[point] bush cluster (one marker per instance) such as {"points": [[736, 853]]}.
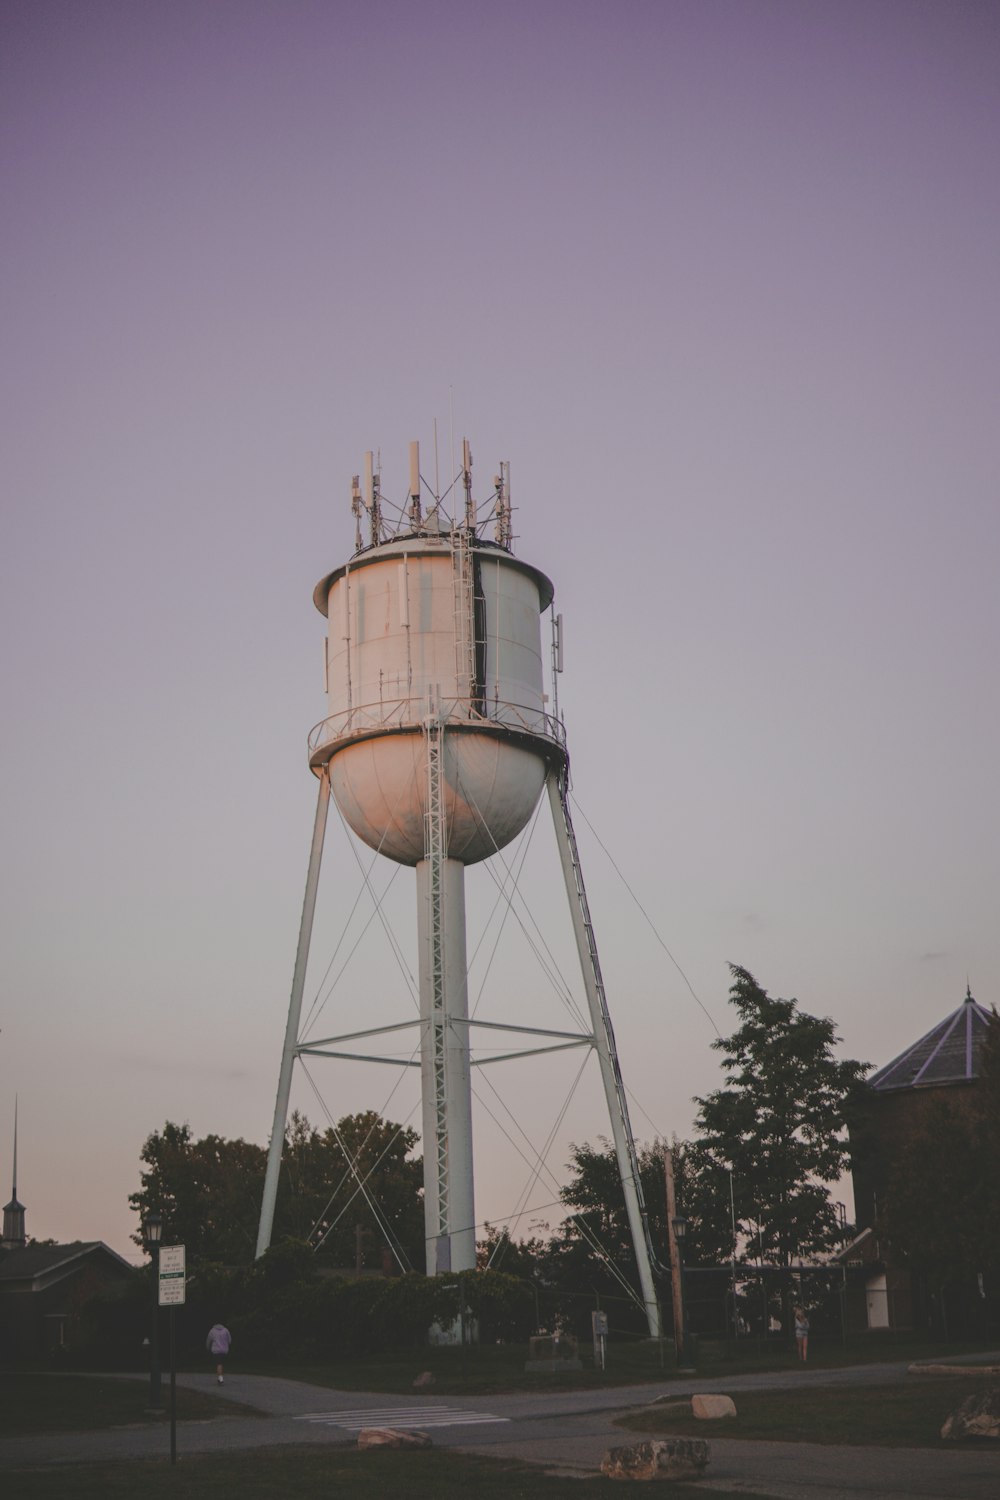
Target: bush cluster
{"points": [[286, 1305]]}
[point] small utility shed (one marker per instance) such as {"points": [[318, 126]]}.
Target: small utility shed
{"points": [[43, 1289]]}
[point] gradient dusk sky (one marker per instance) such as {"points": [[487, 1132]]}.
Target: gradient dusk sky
{"points": [[720, 281]]}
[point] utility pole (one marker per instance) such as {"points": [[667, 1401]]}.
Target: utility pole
{"points": [[676, 1286]]}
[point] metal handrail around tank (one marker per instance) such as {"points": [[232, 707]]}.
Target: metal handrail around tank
{"points": [[402, 713]]}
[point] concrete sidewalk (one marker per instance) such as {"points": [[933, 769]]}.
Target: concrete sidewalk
{"points": [[566, 1433]]}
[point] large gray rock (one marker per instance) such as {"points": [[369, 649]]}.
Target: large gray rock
{"points": [[661, 1458], [711, 1408], [977, 1417], [392, 1437]]}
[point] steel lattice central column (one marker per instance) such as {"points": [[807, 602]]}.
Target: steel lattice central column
{"points": [[449, 1217]]}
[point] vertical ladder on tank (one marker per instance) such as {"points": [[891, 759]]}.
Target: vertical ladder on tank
{"points": [[465, 632], [435, 852]]}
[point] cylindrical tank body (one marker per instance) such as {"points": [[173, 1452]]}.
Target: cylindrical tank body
{"points": [[448, 627]]}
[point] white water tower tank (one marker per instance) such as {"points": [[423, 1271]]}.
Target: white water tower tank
{"points": [[444, 626]]}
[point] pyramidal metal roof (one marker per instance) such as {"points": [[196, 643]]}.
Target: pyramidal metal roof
{"points": [[947, 1054]]}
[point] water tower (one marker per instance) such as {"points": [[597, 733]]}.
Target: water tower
{"points": [[438, 744]]}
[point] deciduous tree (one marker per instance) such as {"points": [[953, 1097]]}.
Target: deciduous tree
{"points": [[779, 1123], [355, 1180]]}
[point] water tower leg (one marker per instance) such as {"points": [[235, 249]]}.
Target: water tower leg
{"points": [[604, 1042], [294, 1012]]}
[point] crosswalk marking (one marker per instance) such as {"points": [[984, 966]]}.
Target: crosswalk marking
{"points": [[400, 1416]]}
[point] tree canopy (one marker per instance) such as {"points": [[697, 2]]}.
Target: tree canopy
{"points": [[779, 1123], [351, 1188], [208, 1192], [702, 1193]]}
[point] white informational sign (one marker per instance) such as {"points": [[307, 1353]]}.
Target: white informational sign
{"points": [[173, 1276]]}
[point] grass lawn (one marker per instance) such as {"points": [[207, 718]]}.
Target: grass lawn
{"points": [[37, 1402], [316, 1474], [907, 1415]]}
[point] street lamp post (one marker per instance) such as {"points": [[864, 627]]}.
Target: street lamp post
{"points": [[152, 1233], [679, 1225]]}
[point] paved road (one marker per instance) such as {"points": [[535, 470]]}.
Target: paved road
{"points": [[568, 1432]]}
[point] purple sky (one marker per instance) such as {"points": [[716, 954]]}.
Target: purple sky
{"points": [[720, 280]]}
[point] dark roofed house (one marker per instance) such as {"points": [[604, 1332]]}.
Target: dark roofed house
{"points": [[43, 1289], [901, 1097]]}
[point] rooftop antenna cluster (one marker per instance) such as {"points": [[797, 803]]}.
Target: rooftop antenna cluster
{"points": [[378, 520]]}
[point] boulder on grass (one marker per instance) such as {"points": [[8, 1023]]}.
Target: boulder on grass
{"points": [[661, 1458], [711, 1408], [392, 1437], [977, 1417]]}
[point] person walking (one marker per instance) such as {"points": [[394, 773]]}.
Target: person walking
{"points": [[218, 1344], [801, 1333]]}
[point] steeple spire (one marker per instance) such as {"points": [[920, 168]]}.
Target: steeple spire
{"points": [[14, 1237]]}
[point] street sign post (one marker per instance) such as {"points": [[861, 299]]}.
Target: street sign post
{"points": [[172, 1293], [173, 1277]]}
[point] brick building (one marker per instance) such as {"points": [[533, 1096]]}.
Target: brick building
{"points": [[943, 1065]]}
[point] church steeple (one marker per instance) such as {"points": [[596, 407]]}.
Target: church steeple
{"points": [[14, 1237]]}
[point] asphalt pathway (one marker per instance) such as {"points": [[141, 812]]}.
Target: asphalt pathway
{"points": [[566, 1432]]}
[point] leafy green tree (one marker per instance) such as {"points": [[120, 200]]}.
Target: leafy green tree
{"points": [[779, 1124], [351, 1185], [593, 1248], [207, 1191], [499, 1251]]}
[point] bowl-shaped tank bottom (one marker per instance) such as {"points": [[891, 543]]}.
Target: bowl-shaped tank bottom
{"points": [[492, 786]]}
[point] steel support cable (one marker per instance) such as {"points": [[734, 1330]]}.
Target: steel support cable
{"points": [[318, 1005], [539, 1157], [657, 1131], [366, 876], [333, 958], [540, 1164], [394, 944], [515, 1147], [590, 1235], [541, 953], [391, 1238], [645, 914], [502, 901], [512, 876], [381, 1112], [605, 1257], [552, 973]]}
